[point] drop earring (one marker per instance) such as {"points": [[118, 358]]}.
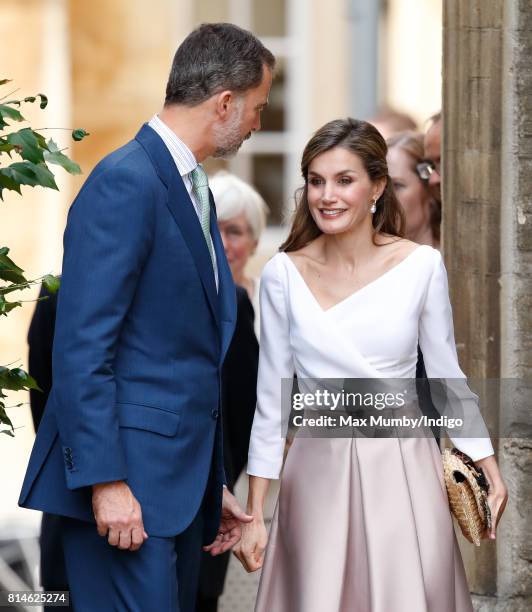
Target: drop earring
{"points": [[373, 206]]}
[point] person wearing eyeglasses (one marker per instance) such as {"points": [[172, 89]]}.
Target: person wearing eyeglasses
{"points": [[405, 155], [429, 169]]}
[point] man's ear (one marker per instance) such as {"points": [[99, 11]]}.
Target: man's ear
{"points": [[223, 102]]}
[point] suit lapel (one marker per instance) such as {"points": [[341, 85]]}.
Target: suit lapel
{"points": [[226, 286], [183, 212]]}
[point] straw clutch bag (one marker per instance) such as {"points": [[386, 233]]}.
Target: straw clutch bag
{"points": [[467, 489]]}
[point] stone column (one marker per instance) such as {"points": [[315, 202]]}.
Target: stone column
{"points": [[487, 163], [514, 582]]}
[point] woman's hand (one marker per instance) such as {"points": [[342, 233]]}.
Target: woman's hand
{"points": [[232, 519], [250, 549], [498, 493]]}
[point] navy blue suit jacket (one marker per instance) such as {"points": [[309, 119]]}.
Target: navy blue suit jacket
{"points": [[141, 335]]}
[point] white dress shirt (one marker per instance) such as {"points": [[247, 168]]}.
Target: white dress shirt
{"points": [[185, 162]]}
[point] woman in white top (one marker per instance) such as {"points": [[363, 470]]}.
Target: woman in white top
{"points": [[241, 213], [361, 524]]}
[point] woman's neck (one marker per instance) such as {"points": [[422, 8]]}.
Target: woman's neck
{"points": [[351, 248]]}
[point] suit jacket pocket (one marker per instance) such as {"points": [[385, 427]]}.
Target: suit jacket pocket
{"points": [[149, 418]]}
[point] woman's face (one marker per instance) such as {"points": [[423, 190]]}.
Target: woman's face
{"points": [[340, 192], [238, 241], [411, 192]]}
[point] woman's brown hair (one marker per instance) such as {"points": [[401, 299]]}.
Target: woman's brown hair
{"points": [[365, 141]]}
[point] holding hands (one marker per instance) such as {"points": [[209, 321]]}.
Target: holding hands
{"points": [[119, 517], [232, 523], [250, 550]]}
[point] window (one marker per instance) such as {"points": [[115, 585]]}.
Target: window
{"points": [[270, 159]]}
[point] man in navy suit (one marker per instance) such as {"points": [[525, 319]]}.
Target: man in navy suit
{"points": [[129, 450]]}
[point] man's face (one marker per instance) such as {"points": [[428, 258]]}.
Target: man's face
{"points": [[245, 117], [432, 145]]}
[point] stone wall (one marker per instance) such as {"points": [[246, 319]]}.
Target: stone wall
{"points": [[487, 164]]}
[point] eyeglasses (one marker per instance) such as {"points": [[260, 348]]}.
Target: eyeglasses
{"points": [[426, 168]]}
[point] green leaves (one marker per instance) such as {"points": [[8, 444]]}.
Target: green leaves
{"points": [[79, 134], [13, 380], [29, 145], [36, 153], [6, 147], [30, 154], [6, 307], [51, 283], [17, 380], [6, 182], [54, 156], [6, 112], [43, 100], [5, 420], [9, 271], [28, 173]]}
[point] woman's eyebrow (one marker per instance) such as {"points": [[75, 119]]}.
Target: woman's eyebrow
{"points": [[348, 171]]}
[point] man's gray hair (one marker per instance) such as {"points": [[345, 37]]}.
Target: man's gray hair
{"points": [[213, 58]]}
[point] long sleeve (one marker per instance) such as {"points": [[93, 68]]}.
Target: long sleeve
{"points": [[437, 343], [107, 241], [275, 364]]}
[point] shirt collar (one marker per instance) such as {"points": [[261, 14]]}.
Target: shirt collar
{"points": [[183, 157]]}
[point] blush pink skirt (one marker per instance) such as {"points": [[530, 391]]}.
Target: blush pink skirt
{"points": [[363, 525]]}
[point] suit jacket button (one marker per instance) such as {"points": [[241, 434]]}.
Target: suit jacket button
{"points": [[214, 413]]}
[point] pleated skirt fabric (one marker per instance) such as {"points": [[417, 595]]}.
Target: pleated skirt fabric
{"points": [[363, 525]]}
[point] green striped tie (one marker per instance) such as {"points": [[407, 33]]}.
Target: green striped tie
{"points": [[200, 184]]}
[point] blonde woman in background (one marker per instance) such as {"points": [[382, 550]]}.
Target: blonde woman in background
{"points": [[405, 153], [241, 215]]}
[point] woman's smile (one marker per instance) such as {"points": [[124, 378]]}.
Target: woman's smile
{"points": [[331, 212]]}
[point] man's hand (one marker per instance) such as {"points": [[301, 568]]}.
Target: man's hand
{"points": [[118, 515], [230, 528]]}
